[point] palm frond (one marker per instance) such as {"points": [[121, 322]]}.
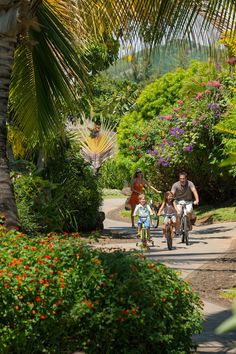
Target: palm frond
{"points": [[155, 21], [95, 145], [45, 77]]}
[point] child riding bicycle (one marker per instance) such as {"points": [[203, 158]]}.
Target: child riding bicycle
{"points": [[169, 210], [144, 213]]}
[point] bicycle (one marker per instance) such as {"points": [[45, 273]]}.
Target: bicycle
{"points": [[143, 234], [169, 231], [154, 217], [184, 229]]}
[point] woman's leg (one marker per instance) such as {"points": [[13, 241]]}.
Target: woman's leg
{"points": [[132, 217]]}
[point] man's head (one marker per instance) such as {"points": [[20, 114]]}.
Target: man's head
{"points": [[183, 178]]}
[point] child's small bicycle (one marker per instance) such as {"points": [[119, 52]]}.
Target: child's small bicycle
{"points": [[143, 235], [169, 231]]}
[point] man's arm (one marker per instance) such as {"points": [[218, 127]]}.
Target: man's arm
{"points": [[196, 197], [173, 189]]}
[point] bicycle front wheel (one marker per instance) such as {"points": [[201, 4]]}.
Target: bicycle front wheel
{"points": [[169, 237], [182, 230], [185, 227], [143, 236], [155, 219]]}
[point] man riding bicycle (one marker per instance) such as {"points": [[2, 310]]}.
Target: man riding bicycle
{"points": [[185, 190]]}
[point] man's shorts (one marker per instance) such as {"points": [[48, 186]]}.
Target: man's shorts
{"points": [[146, 222], [189, 208], [166, 219]]}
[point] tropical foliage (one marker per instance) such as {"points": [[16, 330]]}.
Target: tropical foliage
{"points": [[63, 196], [179, 137], [97, 141], [44, 44], [57, 294]]}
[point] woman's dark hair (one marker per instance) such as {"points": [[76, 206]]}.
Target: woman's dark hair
{"points": [[137, 172]]}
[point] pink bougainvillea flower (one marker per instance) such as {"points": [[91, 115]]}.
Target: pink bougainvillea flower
{"points": [[176, 109], [214, 83], [207, 92], [231, 60], [121, 319], [168, 117], [180, 102], [199, 96]]}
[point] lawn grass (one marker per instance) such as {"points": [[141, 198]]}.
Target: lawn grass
{"points": [[229, 294], [112, 193], [222, 214]]}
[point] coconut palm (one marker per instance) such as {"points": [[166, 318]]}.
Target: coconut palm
{"points": [[40, 68]]}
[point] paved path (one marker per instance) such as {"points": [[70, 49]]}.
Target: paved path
{"points": [[206, 243]]}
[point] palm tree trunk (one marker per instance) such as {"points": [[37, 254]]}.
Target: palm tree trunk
{"points": [[8, 38]]}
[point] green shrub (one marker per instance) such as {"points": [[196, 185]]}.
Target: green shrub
{"points": [[178, 140], [37, 204], [67, 198], [58, 295], [143, 307], [115, 173], [78, 188]]}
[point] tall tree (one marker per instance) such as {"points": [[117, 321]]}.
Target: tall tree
{"points": [[38, 57]]}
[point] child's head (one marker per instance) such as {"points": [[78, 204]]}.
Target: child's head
{"points": [[169, 197], [142, 199]]}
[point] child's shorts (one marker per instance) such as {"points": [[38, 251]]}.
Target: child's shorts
{"points": [[146, 222], [166, 218]]}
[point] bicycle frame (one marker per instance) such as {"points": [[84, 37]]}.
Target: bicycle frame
{"points": [[184, 220], [143, 234]]}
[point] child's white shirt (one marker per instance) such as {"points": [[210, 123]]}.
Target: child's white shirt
{"points": [[139, 209]]}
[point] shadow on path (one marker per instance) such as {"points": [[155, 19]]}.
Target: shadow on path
{"points": [[209, 341]]}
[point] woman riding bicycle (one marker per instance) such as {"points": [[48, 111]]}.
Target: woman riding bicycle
{"points": [[169, 210]]}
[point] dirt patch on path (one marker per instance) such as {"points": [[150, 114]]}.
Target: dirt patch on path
{"points": [[211, 279]]}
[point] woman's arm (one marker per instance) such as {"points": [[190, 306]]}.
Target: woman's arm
{"points": [[151, 187]]}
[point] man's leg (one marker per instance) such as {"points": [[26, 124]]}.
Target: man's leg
{"points": [[179, 211], [189, 209]]}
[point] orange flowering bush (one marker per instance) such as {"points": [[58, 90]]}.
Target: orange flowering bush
{"points": [[59, 295], [39, 280]]}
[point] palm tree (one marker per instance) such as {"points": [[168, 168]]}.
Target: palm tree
{"points": [[39, 67]]}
